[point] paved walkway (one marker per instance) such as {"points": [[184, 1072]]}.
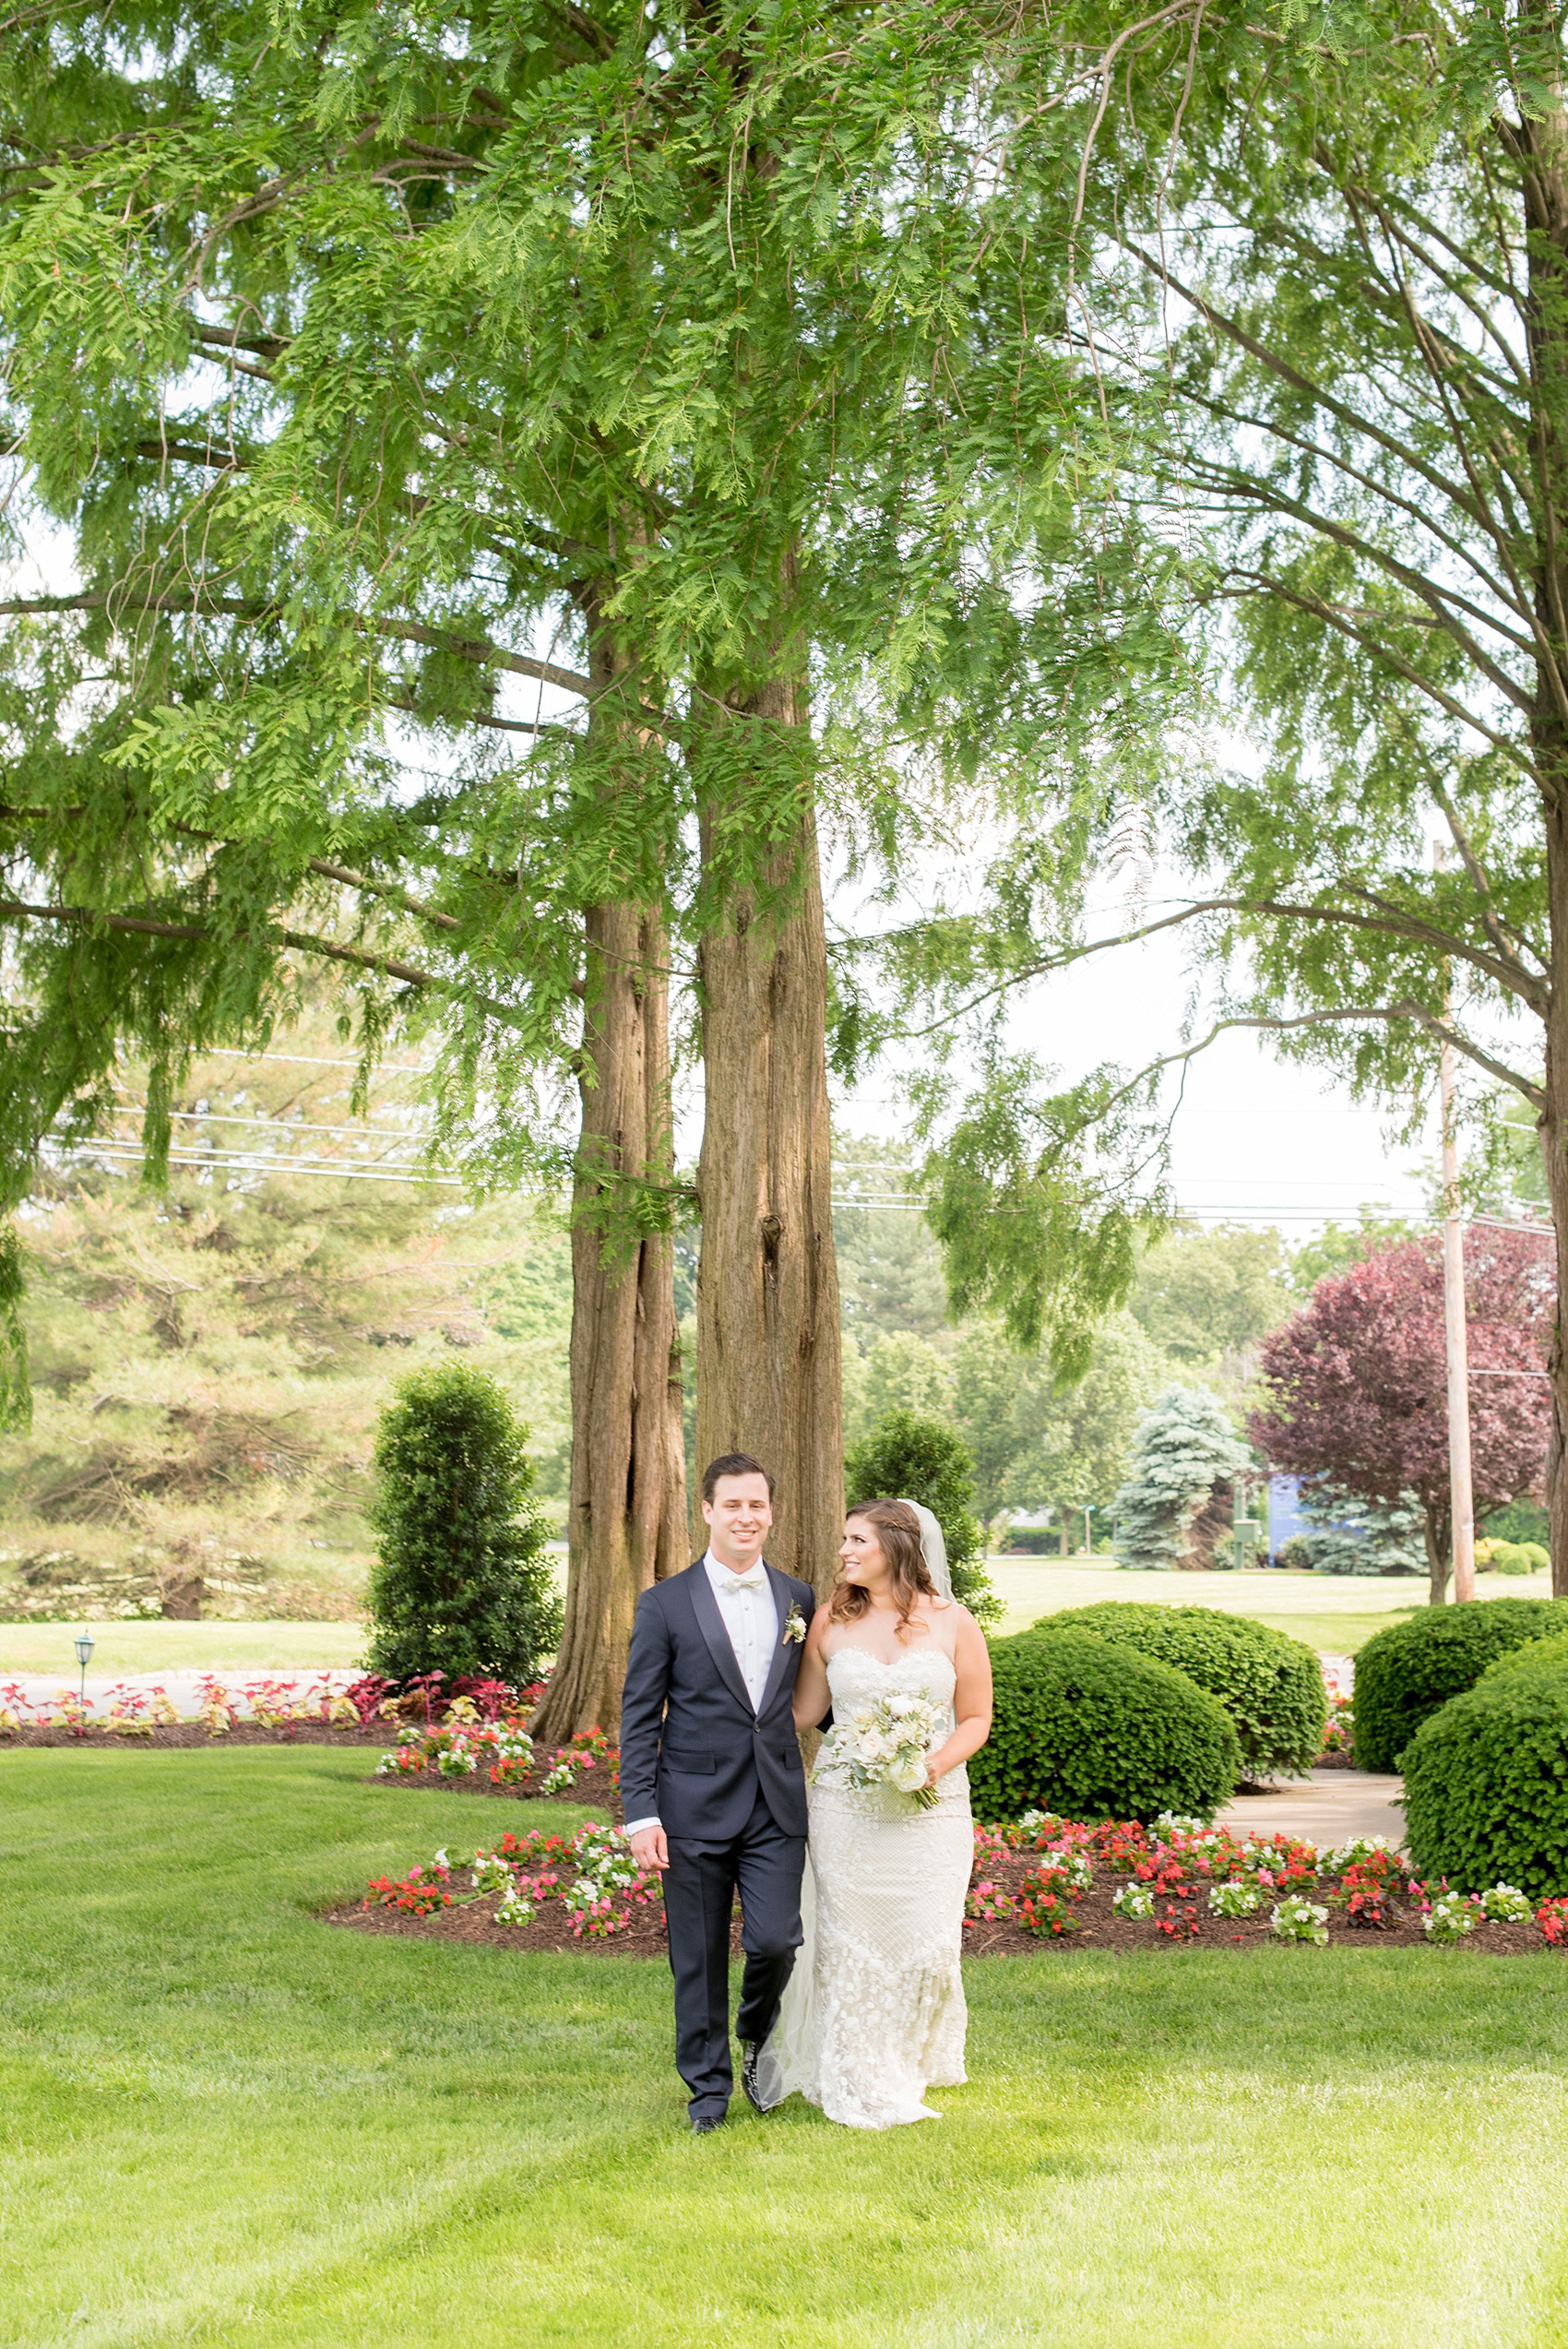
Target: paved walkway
{"points": [[1326, 1808]]}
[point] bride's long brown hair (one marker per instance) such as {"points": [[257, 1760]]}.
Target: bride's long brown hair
{"points": [[898, 1538]]}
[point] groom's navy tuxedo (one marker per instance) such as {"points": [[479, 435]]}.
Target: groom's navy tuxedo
{"points": [[728, 1786]]}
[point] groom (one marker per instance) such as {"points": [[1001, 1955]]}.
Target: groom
{"points": [[711, 1779]]}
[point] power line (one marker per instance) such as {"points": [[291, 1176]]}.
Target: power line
{"points": [[346, 1170]]}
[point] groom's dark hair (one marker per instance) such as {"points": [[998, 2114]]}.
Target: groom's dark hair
{"points": [[733, 1464]]}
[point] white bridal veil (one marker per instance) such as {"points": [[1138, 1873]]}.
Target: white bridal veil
{"points": [[785, 2064], [933, 1545]]}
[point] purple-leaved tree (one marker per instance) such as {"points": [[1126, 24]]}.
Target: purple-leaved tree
{"points": [[1356, 1380]]}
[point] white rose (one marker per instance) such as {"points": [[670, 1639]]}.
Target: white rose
{"points": [[908, 1776]]}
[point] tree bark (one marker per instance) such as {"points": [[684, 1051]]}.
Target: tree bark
{"points": [[1553, 1127], [767, 1283], [1542, 143], [1439, 1549], [627, 1524]]}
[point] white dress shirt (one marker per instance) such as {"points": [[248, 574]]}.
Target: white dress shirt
{"points": [[749, 1616]]}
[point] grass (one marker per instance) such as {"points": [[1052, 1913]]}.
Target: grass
{"points": [[1335, 1613], [177, 1647], [225, 2123]]}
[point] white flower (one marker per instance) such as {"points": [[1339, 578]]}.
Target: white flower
{"points": [[1298, 1920], [1134, 1900]]}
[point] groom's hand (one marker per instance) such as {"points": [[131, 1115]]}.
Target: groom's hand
{"points": [[650, 1848]]}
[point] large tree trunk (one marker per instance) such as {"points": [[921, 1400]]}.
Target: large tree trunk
{"points": [[628, 1522], [626, 1526], [1542, 145], [1553, 1125], [767, 1286]]}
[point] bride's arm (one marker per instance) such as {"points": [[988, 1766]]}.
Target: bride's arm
{"points": [[971, 1699], [812, 1697]]}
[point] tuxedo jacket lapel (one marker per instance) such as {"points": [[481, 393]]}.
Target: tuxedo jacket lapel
{"points": [[705, 1607], [776, 1671]]}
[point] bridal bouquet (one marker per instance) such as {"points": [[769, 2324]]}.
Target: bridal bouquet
{"points": [[886, 1744]]}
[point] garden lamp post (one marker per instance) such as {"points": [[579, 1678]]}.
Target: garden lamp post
{"points": [[84, 1651]]}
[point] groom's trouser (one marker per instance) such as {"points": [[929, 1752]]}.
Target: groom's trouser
{"points": [[765, 1865]]}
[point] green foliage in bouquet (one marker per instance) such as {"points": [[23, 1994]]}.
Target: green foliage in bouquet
{"points": [[1091, 1730], [1269, 1684], [462, 1585], [1486, 1782], [1405, 1672], [907, 1458]]}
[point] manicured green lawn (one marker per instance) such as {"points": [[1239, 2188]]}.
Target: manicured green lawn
{"points": [[222, 2122], [1337, 1613], [182, 1647]]}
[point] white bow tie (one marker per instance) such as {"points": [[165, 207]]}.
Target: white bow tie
{"points": [[755, 1578]]}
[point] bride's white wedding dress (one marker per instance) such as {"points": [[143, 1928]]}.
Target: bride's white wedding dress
{"points": [[874, 2011]]}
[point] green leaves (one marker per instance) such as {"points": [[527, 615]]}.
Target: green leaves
{"points": [[1039, 1206]]}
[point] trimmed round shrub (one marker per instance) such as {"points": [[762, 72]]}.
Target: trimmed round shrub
{"points": [[1269, 1684], [1406, 1673], [1485, 1785], [1552, 1650], [1095, 1731], [462, 1585]]}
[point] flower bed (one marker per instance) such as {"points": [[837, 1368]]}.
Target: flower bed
{"points": [[1340, 1729], [498, 1757], [1042, 1883], [276, 1710], [267, 1709]]}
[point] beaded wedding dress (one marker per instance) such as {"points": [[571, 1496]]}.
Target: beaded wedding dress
{"points": [[874, 2011]]}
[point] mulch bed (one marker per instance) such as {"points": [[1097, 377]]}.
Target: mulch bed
{"points": [[1099, 1926], [644, 1937], [1102, 1928], [592, 1791], [194, 1733]]}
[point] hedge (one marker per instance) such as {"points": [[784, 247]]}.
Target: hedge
{"points": [[1403, 1675], [1092, 1730], [1485, 1785], [1269, 1684], [1552, 1650]]}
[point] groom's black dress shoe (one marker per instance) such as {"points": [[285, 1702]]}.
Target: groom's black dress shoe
{"points": [[751, 2055], [702, 2123]]}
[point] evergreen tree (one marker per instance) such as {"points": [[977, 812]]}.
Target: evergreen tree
{"points": [[1350, 1535], [1169, 1510], [910, 1458], [462, 1585]]}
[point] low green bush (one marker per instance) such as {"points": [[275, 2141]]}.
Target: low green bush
{"points": [[1552, 1650], [1269, 1684], [1405, 1672], [1485, 1785], [1091, 1730]]}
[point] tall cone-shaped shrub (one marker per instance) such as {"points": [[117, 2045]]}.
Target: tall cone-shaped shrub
{"points": [[462, 1584]]}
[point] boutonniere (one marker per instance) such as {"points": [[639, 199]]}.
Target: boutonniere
{"points": [[794, 1626]]}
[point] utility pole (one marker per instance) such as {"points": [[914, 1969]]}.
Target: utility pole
{"points": [[1461, 1497]]}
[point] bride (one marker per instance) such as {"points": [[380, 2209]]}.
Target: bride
{"points": [[874, 2011]]}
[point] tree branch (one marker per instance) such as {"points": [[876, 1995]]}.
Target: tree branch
{"points": [[1510, 975], [1386, 1012], [87, 917], [476, 649]]}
